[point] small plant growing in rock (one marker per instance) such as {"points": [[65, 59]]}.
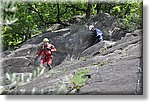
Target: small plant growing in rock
{"points": [[83, 58], [78, 80]]}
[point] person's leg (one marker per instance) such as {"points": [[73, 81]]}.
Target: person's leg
{"points": [[100, 39], [49, 63], [42, 62]]}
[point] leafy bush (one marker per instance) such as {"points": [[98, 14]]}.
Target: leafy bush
{"points": [[78, 80], [130, 14]]}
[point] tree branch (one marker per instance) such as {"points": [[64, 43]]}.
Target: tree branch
{"points": [[42, 18], [75, 7], [35, 10]]}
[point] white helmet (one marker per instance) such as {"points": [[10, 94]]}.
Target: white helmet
{"points": [[45, 40], [90, 27]]}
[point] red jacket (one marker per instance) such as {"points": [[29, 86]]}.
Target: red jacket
{"points": [[46, 51]]}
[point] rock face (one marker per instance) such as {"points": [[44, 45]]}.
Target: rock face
{"points": [[69, 42], [112, 65], [72, 41], [112, 71], [109, 25], [20, 60]]}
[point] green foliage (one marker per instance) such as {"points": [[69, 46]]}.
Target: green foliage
{"points": [[130, 14], [9, 8], [78, 80], [133, 20], [34, 18], [21, 21]]}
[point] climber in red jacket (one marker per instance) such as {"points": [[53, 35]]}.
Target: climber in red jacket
{"points": [[46, 50]]}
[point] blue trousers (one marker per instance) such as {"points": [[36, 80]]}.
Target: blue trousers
{"points": [[100, 38]]}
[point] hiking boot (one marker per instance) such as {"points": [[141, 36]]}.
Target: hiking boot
{"points": [[49, 66]]}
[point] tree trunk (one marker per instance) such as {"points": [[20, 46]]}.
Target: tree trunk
{"points": [[88, 11], [98, 6], [58, 12]]}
